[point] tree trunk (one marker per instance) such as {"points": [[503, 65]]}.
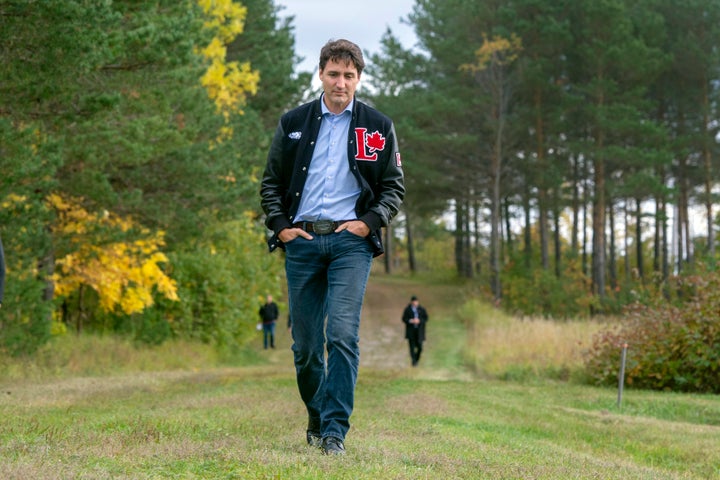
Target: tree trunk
{"points": [[410, 244], [585, 228], [527, 231], [707, 155], [477, 247], [495, 228], [495, 216], [657, 248], [463, 262], [543, 229], [542, 188], [665, 241], [626, 241], [556, 239], [638, 240], [467, 247], [388, 249], [81, 310], [574, 235], [598, 227], [508, 232], [683, 241], [459, 222], [688, 238], [612, 268]]}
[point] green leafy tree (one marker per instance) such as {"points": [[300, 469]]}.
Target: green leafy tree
{"points": [[603, 47], [600, 112], [125, 275], [27, 162], [538, 125], [452, 136], [686, 95], [224, 280], [492, 72], [142, 108], [396, 86], [268, 43]]}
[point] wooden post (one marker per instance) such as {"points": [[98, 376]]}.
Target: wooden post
{"points": [[621, 376]]}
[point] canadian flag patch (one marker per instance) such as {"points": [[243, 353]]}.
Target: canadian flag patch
{"points": [[368, 144]]}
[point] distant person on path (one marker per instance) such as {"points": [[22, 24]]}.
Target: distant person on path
{"points": [[415, 317], [268, 316], [333, 179], [2, 273]]}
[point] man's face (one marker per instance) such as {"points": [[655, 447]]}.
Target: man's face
{"points": [[339, 82]]}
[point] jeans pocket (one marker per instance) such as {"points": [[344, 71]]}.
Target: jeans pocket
{"points": [[352, 234], [296, 240]]}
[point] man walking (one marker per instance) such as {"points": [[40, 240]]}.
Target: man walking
{"points": [[333, 179], [415, 317]]}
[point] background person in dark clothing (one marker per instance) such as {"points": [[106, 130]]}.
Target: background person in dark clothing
{"points": [[269, 315], [414, 317]]}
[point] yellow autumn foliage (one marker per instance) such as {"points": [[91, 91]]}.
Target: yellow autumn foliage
{"points": [[125, 274], [12, 200], [496, 51], [224, 16], [227, 83]]}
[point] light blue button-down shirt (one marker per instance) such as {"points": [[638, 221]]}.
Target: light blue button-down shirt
{"points": [[331, 191]]}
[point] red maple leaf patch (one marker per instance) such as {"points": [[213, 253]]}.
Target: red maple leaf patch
{"points": [[375, 141]]}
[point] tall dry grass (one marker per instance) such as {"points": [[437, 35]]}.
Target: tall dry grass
{"points": [[92, 355], [505, 347]]}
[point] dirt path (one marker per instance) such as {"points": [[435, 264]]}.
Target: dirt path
{"points": [[382, 333]]}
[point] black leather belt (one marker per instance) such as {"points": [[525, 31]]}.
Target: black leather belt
{"points": [[321, 227]]}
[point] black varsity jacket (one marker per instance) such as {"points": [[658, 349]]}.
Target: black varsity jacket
{"points": [[374, 160]]}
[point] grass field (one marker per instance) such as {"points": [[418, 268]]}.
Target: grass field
{"points": [[437, 421]]}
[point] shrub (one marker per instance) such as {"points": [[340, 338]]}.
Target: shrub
{"points": [[221, 285], [670, 347], [540, 292]]}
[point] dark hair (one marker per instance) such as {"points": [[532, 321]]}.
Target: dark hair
{"points": [[413, 298], [342, 50]]}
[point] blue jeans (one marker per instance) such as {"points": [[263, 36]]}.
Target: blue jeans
{"points": [[326, 279], [269, 334]]}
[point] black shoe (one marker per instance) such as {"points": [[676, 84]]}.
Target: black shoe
{"points": [[313, 439], [333, 446], [313, 435]]}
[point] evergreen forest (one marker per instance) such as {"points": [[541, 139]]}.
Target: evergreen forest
{"points": [[561, 157]]}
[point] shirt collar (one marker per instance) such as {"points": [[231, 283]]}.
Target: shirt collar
{"points": [[325, 111]]}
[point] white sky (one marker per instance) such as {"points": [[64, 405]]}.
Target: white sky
{"points": [[360, 21]]}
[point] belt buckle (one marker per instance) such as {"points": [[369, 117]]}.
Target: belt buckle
{"points": [[323, 227]]}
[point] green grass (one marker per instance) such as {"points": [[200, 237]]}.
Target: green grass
{"points": [[249, 423], [90, 408]]}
